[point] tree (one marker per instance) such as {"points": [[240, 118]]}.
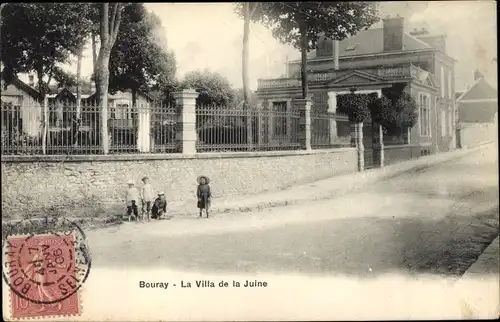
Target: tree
{"points": [[394, 113], [301, 23], [63, 78], [108, 31], [140, 61], [39, 36], [355, 106], [246, 10], [213, 88]]}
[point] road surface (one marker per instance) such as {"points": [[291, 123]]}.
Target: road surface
{"points": [[432, 221]]}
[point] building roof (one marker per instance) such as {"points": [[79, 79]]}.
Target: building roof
{"points": [[479, 103], [477, 112], [480, 90], [22, 85], [371, 41]]}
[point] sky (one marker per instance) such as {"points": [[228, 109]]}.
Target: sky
{"points": [[209, 36]]}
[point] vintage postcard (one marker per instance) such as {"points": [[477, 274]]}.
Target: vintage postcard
{"points": [[249, 161]]}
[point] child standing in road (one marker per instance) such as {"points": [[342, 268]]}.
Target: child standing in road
{"points": [[132, 200], [203, 194], [146, 196]]}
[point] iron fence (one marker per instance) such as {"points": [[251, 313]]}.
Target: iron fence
{"points": [[65, 128], [222, 129], [329, 130], [62, 128]]}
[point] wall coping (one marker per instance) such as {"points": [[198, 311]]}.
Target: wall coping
{"points": [[400, 146], [170, 156]]}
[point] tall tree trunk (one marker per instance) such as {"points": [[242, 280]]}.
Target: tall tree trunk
{"points": [[44, 107], [303, 52], [108, 33], [78, 98], [245, 76], [102, 82], [94, 57]]}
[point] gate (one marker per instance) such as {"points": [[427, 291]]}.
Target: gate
{"points": [[368, 144], [458, 136]]}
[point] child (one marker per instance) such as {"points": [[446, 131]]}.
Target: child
{"points": [[159, 206], [203, 194], [147, 196], [132, 200]]}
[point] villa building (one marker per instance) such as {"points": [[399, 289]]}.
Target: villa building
{"points": [[376, 61]]}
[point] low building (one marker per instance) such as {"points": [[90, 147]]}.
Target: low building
{"points": [[378, 61], [21, 109], [477, 113], [22, 115]]}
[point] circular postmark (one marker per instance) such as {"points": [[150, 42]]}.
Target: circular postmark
{"points": [[45, 261]]}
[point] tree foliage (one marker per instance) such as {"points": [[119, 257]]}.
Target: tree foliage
{"points": [[395, 113], [213, 88], [140, 60], [36, 37], [63, 78], [356, 106], [336, 20], [300, 24]]}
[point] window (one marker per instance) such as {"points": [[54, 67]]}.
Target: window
{"points": [[279, 119], [443, 123], [351, 47], [424, 101], [449, 85], [11, 113], [442, 81], [121, 111], [31, 80], [450, 123]]}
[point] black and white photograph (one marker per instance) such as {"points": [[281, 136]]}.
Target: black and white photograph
{"points": [[249, 161]]}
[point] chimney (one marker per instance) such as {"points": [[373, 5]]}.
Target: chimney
{"points": [[327, 47], [31, 81], [393, 33], [336, 54], [477, 75], [435, 41]]}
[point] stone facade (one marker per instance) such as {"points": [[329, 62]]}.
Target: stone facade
{"points": [[96, 188]]}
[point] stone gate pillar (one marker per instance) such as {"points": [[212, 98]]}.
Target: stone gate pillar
{"points": [[304, 108], [186, 120], [357, 142]]}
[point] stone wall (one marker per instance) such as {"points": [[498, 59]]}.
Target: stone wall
{"points": [[476, 134], [399, 153], [94, 188]]}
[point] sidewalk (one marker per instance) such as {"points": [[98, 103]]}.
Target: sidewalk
{"points": [[322, 189], [479, 287]]}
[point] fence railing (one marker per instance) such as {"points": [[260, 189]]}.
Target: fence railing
{"points": [[64, 128], [329, 130], [221, 129]]}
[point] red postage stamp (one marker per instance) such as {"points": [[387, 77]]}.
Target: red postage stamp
{"points": [[44, 273]]}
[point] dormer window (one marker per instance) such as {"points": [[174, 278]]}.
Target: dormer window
{"points": [[351, 47]]}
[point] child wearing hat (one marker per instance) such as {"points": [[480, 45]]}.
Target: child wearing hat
{"points": [[146, 196], [203, 194], [159, 206], [132, 200]]}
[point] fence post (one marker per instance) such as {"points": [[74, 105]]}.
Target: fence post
{"points": [[381, 145], [304, 108], [45, 124], [186, 133], [249, 121], [357, 142]]}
